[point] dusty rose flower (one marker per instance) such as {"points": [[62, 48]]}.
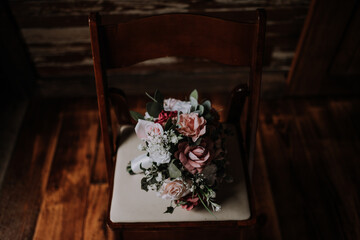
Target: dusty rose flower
{"points": [[195, 158], [173, 189], [191, 125], [165, 115], [191, 202]]}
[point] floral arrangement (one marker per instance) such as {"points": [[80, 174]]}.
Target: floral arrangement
{"points": [[185, 156]]}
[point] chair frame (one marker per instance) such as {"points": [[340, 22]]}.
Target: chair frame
{"points": [[251, 91]]}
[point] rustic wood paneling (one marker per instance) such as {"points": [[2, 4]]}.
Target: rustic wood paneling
{"points": [[58, 37]]}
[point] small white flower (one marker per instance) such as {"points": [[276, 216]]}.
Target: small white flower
{"points": [[212, 194], [159, 177], [216, 207]]}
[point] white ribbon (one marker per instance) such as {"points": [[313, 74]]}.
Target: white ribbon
{"points": [[144, 160]]}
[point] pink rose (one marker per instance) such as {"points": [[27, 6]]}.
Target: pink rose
{"points": [[173, 189], [145, 128], [191, 125], [194, 158]]}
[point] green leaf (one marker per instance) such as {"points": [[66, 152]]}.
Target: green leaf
{"points": [[154, 108], [196, 143], [169, 210], [168, 124], [201, 110], [144, 184], [136, 116], [150, 97], [174, 172], [194, 94], [194, 103], [207, 105], [159, 97]]}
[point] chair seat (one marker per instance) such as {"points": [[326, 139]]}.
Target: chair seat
{"points": [[131, 204]]}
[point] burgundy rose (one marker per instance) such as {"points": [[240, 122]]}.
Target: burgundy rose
{"points": [[165, 115], [190, 202], [195, 158]]}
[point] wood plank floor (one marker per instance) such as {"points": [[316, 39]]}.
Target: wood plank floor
{"points": [[306, 180]]}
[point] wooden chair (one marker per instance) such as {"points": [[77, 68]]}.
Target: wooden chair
{"points": [[117, 45]]}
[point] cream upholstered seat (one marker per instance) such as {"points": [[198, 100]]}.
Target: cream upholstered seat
{"points": [[131, 204]]}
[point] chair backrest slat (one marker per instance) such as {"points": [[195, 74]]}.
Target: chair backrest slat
{"points": [[182, 35]]}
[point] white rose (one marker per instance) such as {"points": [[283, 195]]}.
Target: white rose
{"points": [[172, 104], [145, 128], [173, 189], [160, 156]]}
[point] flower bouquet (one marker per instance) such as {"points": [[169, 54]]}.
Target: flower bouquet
{"points": [[185, 158]]}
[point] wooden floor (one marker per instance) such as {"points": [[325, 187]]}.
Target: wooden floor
{"points": [[306, 180]]}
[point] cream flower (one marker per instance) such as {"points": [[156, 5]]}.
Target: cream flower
{"points": [[173, 189]]}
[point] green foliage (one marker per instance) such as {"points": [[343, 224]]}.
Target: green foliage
{"points": [[154, 109], [136, 116], [169, 125], [194, 94], [169, 210], [207, 105], [196, 143], [174, 172], [144, 184], [159, 97]]}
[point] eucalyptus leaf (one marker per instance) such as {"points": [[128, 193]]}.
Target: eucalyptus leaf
{"points": [[194, 103], [201, 109], [136, 116], [207, 105], [194, 94], [174, 172], [154, 109]]}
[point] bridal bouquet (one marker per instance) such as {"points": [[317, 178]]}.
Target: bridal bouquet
{"points": [[184, 159]]}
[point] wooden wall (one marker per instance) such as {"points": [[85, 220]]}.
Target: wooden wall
{"points": [[57, 34]]}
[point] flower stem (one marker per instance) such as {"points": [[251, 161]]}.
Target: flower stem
{"points": [[206, 206]]}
